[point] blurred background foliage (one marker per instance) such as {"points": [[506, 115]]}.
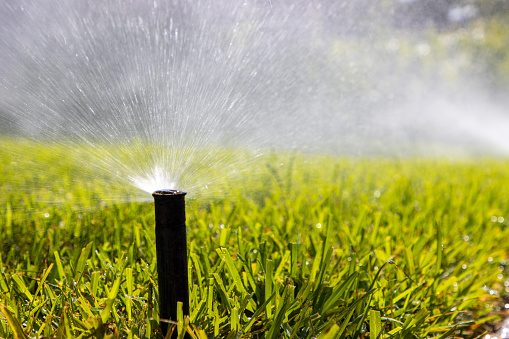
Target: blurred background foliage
{"points": [[467, 37]]}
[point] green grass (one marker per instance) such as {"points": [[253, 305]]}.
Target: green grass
{"points": [[317, 247]]}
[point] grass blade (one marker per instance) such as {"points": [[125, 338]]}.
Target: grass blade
{"points": [[375, 325], [15, 326]]}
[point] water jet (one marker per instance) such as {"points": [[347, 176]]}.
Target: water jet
{"points": [[171, 248]]}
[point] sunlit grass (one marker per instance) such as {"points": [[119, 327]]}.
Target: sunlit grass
{"points": [[306, 246]]}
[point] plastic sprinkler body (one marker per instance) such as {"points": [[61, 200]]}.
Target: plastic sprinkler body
{"points": [[171, 248]]}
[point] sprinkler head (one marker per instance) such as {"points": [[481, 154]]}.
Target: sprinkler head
{"points": [[168, 192], [171, 248], [170, 209]]}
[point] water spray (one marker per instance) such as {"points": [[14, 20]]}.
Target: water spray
{"points": [[171, 248]]}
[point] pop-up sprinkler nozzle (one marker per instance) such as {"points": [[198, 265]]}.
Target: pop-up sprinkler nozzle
{"points": [[171, 248]]}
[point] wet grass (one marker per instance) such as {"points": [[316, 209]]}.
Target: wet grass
{"points": [[316, 247]]}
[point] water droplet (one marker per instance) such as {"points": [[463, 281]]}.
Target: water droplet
{"points": [[377, 194], [318, 225], [466, 238], [255, 251], [500, 276], [393, 45], [221, 226], [423, 49], [61, 223], [478, 34], [46, 215], [490, 259], [464, 266], [349, 258], [500, 219], [494, 218]]}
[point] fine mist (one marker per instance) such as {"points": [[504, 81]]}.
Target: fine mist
{"points": [[155, 91]]}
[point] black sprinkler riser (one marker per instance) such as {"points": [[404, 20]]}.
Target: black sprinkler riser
{"points": [[171, 248]]}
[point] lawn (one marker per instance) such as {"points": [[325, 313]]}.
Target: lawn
{"points": [[306, 246]]}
